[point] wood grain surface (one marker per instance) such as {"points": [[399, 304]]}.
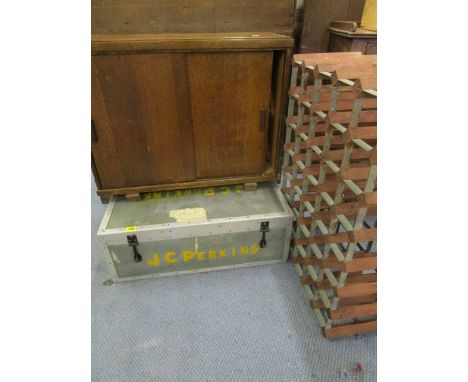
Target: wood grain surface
{"points": [[350, 329], [206, 112], [191, 16], [228, 93], [135, 109], [133, 43], [318, 15]]}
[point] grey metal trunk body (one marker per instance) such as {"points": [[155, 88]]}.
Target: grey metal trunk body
{"points": [[201, 230]]}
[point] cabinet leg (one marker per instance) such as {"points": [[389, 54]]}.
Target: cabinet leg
{"points": [[105, 199], [250, 186], [134, 197]]}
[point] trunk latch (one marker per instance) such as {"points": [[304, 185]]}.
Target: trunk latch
{"points": [[133, 242], [264, 228]]}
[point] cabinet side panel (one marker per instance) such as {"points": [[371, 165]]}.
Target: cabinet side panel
{"points": [[228, 91], [104, 151], [143, 107]]}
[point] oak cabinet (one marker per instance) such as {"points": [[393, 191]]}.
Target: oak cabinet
{"points": [[186, 110]]}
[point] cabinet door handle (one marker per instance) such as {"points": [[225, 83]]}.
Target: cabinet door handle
{"points": [[94, 136], [264, 119]]}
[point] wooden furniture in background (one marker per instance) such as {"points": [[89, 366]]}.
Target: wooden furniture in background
{"points": [[330, 182], [194, 16], [347, 36], [318, 15], [186, 110]]}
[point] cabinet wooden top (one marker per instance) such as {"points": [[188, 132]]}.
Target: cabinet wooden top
{"points": [[110, 43]]}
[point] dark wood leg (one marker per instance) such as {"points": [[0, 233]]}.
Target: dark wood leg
{"points": [[250, 186], [135, 197]]}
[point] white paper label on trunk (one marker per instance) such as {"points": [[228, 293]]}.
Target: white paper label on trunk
{"points": [[188, 214]]}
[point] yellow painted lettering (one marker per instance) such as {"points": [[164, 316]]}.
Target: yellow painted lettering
{"points": [[254, 249], [209, 191], [152, 195], [222, 253], [233, 251], [225, 190], [155, 262], [170, 257], [212, 254], [238, 189], [178, 194], [188, 255], [244, 250], [201, 255]]}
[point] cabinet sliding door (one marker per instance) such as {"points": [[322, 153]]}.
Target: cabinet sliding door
{"points": [[230, 101], [142, 127]]}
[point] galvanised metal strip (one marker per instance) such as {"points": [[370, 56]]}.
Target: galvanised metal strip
{"points": [[370, 92], [311, 132], [346, 82], [291, 105], [345, 164], [310, 269], [320, 318], [356, 112], [327, 143], [292, 85], [361, 214], [326, 197], [294, 73], [309, 290], [371, 179], [330, 276], [297, 148], [311, 209], [304, 229], [317, 84], [336, 170], [304, 77], [318, 198], [353, 186], [358, 222], [338, 126], [305, 183], [324, 297], [317, 252]]}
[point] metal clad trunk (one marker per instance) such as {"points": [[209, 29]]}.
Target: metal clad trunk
{"points": [[198, 230]]}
